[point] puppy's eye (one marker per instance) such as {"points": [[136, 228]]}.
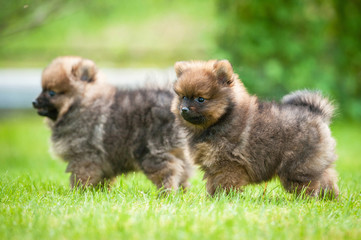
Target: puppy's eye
{"points": [[184, 97], [200, 99], [51, 93]]}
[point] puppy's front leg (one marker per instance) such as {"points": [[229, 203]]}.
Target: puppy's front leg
{"points": [[225, 176], [86, 174]]}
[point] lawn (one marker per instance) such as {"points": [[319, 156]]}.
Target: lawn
{"points": [[36, 202]]}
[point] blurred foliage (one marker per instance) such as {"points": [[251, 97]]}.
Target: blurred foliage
{"points": [[279, 46], [118, 33], [24, 15]]}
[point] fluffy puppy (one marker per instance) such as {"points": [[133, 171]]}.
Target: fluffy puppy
{"points": [[239, 140], [102, 131]]}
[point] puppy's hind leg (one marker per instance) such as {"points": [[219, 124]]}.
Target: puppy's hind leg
{"points": [[187, 167], [310, 188], [322, 186], [310, 178], [328, 183], [186, 174], [164, 170]]}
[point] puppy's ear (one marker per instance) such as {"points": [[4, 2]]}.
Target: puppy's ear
{"points": [[180, 67], [85, 70], [223, 71]]}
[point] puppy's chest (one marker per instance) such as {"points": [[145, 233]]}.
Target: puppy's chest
{"points": [[72, 144], [206, 154], [63, 147]]}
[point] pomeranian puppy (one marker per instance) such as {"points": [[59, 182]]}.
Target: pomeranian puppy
{"points": [[239, 140], [102, 131]]}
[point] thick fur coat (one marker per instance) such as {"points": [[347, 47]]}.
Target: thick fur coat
{"points": [[102, 131], [238, 139]]}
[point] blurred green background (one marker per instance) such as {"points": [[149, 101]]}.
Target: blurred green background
{"points": [[275, 46]]}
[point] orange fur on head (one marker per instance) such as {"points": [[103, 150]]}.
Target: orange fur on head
{"points": [[70, 77], [214, 81]]}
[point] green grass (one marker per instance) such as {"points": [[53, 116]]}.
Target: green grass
{"points": [[36, 202]]}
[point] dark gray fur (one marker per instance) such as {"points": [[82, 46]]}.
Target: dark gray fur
{"points": [[134, 131]]}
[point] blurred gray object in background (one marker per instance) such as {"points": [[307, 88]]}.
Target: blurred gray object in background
{"points": [[19, 87]]}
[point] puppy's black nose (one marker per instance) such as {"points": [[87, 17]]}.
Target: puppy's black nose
{"points": [[35, 103], [185, 109]]}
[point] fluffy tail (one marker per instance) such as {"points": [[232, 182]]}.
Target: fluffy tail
{"points": [[313, 100]]}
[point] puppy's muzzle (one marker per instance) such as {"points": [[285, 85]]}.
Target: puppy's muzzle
{"points": [[35, 104], [45, 108], [191, 116], [185, 110]]}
